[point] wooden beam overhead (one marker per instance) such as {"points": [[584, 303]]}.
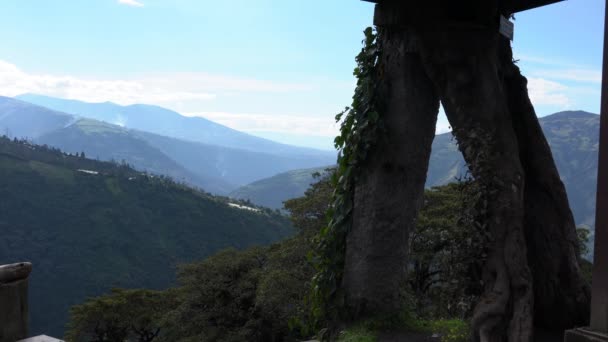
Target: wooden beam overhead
{"points": [[513, 6], [524, 5]]}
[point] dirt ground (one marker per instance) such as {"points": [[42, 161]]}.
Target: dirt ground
{"points": [[405, 336]]}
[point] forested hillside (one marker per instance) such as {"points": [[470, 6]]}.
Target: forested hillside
{"points": [[88, 226], [271, 192]]}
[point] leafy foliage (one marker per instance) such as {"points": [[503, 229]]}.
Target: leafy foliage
{"points": [[309, 212], [358, 133], [107, 226], [254, 295], [584, 234], [358, 334], [446, 254], [122, 315], [450, 330], [258, 294], [219, 301], [261, 294]]}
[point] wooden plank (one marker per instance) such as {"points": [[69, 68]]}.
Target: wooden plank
{"points": [[14, 272], [506, 27], [599, 290], [512, 6], [41, 338], [524, 5]]}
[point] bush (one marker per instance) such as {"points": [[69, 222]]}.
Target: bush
{"points": [[122, 315], [242, 296], [260, 294]]}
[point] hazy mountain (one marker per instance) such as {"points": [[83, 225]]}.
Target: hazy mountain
{"points": [[574, 140], [217, 169], [573, 137], [104, 141], [234, 166], [22, 119], [88, 226], [166, 122], [271, 192]]}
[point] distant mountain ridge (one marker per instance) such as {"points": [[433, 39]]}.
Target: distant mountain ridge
{"points": [[21, 119], [162, 121], [214, 168], [271, 192], [572, 135], [109, 142]]}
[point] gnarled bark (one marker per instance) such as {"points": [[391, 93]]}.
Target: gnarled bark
{"points": [[532, 275], [390, 186], [561, 294], [465, 68]]}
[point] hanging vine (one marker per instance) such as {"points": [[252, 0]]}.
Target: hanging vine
{"points": [[359, 129]]}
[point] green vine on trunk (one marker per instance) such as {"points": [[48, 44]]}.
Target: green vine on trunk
{"points": [[359, 129]]}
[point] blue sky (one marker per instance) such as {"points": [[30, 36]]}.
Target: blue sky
{"points": [[276, 68]]}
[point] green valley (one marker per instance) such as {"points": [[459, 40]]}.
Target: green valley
{"points": [[88, 226]]}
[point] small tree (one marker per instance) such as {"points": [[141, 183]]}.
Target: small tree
{"points": [[309, 212], [447, 252], [122, 315]]}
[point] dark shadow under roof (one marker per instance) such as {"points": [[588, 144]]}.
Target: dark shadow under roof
{"points": [[513, 6]]}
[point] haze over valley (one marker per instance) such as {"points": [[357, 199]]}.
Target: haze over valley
{"points": [[192, 150]]}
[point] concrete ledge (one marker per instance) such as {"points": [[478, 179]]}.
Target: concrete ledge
{"points": [[14, 272], [41, 338], [585, 335]]}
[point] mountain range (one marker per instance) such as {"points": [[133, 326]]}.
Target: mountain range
{"points": [[165, 122], [195, 151], [572, 135], [271, 192], [221, 160]]}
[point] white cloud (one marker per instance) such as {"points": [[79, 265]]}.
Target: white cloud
{"points": [[189, 92], [205, 82], [559, 84], [167, 89], [133, 3], [548, 61], [578, 75], [192, 93], [292, 124], [545, 92], [14, 81]]}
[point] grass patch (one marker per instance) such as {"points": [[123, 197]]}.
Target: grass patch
{"points": [[52, 172], [451, 330], [357, 334]]}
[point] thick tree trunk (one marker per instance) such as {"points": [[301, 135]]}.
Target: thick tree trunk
{"points": [[531, 276], [561, 295], [390, 185], [464, 65]]}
